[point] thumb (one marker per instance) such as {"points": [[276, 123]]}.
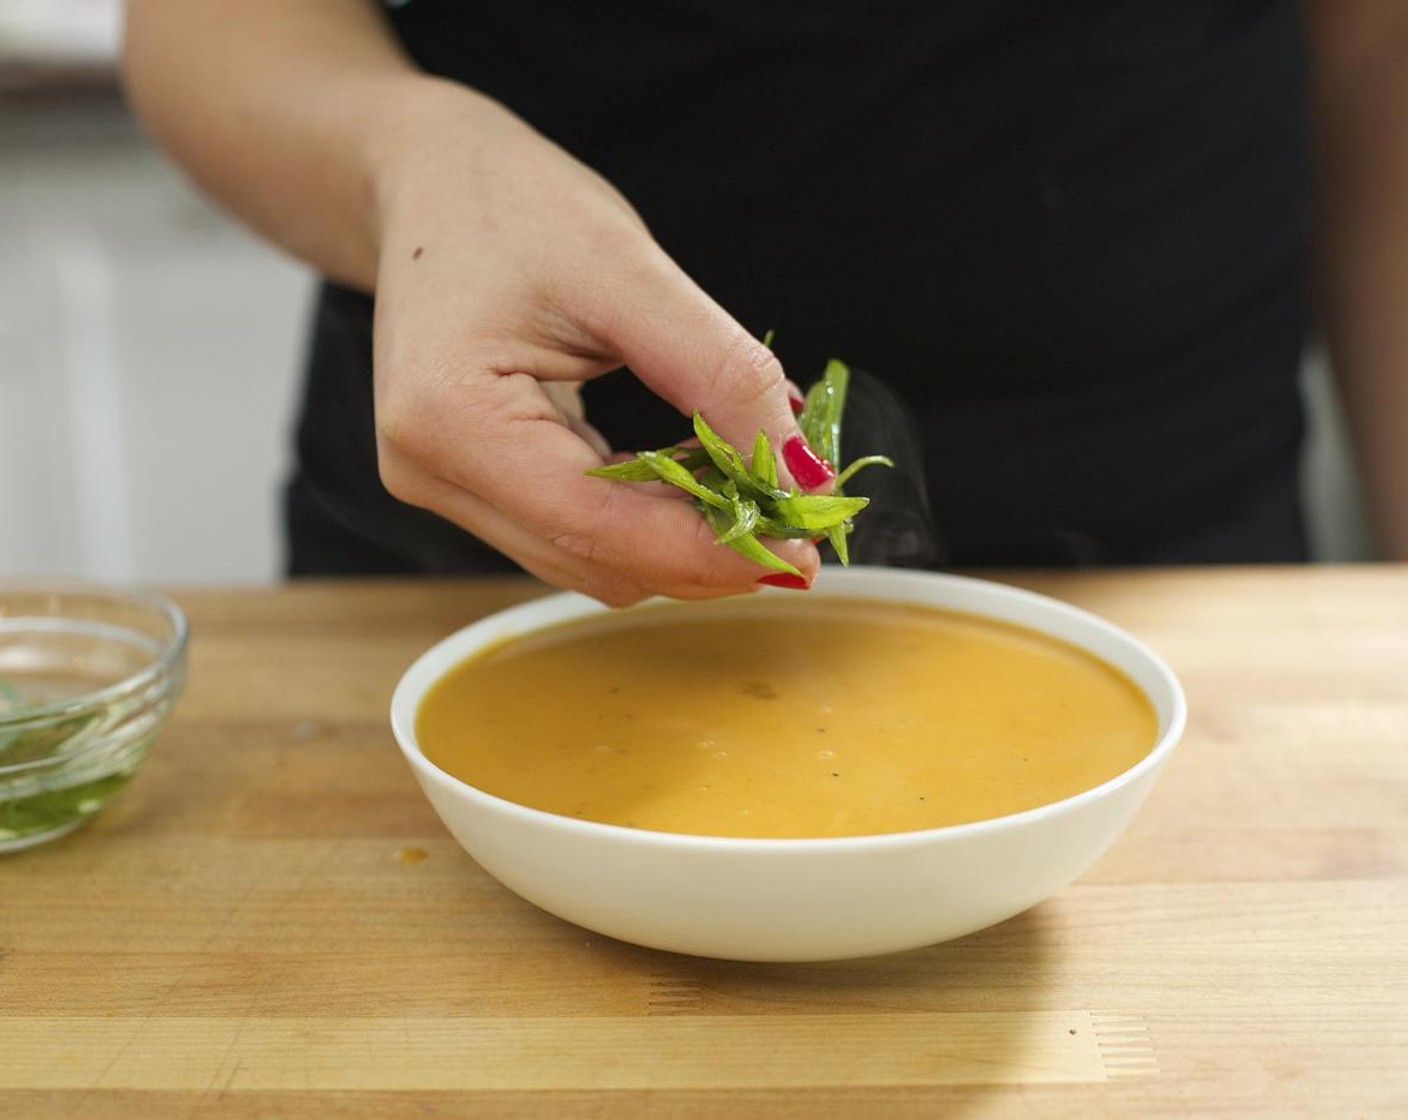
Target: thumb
{"points": [[689, 351]]}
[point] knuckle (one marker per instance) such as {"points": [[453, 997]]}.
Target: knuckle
{"points": [[614, 240], [750, 370], [439, 420], [583, 533], [396, 423], [406, 409], [400, 436], [583, 546], [616, 575], [398, 479]]}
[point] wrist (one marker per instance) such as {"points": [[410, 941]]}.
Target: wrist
{"points": [[420, 128]]}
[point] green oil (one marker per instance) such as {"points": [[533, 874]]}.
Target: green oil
{"points": [[57, 772], [56, 810]]}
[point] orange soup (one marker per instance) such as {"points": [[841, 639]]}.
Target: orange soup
{"points": [[785, 718]]}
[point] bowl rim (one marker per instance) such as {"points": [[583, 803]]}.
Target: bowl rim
{"points": [[569, 606], [166, 658]]}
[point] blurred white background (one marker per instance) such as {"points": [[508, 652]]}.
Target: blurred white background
{"points": [[148, 356], [149, 347]]}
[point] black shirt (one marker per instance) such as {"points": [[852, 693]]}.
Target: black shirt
{"points": [[1070, 237]]}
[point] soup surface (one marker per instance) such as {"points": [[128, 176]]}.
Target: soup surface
{"points": [[785, 718]]}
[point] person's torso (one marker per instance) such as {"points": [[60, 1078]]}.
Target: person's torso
{"points": [[1070, 235]]}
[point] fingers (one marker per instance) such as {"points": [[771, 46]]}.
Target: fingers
{"points": [[506, 468], [689, 351], [650, 545]]}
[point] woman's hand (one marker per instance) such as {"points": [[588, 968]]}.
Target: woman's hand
{"points": [[509, 273], [505, 273]]}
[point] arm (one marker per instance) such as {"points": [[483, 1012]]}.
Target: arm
{"points": [[505, 273], [1359, 105], [284, 112]]}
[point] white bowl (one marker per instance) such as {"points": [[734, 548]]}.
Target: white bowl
{"points": [[798, 899]]}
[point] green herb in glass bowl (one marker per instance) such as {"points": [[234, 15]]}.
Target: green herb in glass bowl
{"points": [[88, 676]]}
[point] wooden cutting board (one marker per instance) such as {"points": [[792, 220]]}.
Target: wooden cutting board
{"points": [[271, 922]]}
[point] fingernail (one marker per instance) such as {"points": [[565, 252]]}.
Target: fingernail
{"points": [[785, 579], [797, 401], [805, 465]]}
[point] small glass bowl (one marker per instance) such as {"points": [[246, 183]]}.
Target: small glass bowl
{"points": [[88, 676]]}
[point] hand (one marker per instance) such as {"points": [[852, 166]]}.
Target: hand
{"points": [[509, 273]]}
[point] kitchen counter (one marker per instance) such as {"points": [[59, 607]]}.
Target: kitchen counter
{"points": [[271, 922]]}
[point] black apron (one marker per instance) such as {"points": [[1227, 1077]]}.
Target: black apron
{"points": [[1068, 239]]}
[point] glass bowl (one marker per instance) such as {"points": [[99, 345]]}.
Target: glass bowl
{"points": [[88, 676]]}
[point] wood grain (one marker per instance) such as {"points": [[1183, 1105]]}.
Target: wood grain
{"points": [[249, 929], [575, 1052]]}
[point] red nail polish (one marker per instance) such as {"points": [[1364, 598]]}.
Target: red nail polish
{"points": [[806, 466], [797, 401], [785, 579]]}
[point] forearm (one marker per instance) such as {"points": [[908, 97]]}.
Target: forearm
{"points": [[1360, 110], [285, 112]]}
